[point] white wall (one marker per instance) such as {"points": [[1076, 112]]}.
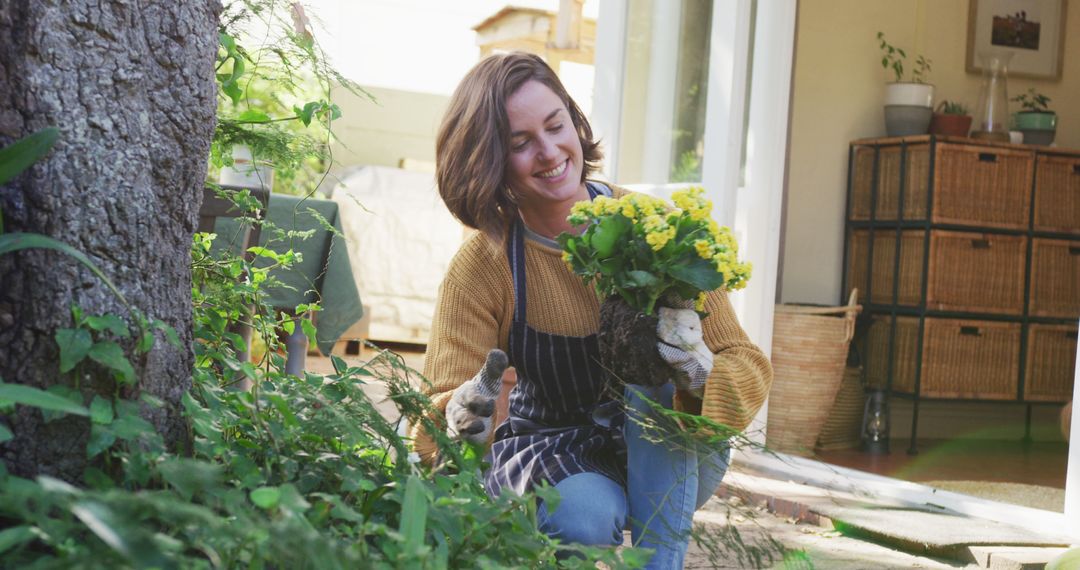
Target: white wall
{"points": [[398, 125], [838, 89]]}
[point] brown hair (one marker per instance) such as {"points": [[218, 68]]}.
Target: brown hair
{"points": [[473, 144]]}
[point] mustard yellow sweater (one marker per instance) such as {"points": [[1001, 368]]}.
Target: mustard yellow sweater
{"points": [[475, 309]]}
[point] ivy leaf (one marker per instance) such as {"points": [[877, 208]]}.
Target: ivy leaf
{"points": [[101, 411], [74, 344], [309, 329], [254, 116], [110, 323], [641, 279], [266, 497], [101, 438], [110, 355], [30, 396]]}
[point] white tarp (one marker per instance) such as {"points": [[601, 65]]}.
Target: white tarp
{"points": [[401, 239]]}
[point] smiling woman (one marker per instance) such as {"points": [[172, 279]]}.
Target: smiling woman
{"points": [[513, 156]]}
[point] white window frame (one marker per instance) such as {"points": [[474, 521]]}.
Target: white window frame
{"points": [[755, 211]]}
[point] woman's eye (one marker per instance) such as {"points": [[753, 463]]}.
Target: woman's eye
{"points": [[518, 147], [555, 129]]}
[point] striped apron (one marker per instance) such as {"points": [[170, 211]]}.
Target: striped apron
{"points": [[562, 419]]}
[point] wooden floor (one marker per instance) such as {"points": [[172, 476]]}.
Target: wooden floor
{"points": [[1040, 463]]}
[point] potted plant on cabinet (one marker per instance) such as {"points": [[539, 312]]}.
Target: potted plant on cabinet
{"points": [[951, 119], [908, 104], [1036, 120]]}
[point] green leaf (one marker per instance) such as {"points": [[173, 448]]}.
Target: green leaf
{"points": [[641, 279], [170, 333], [266, 497], [15, 536], [30, 396], [110, 355], [101, 410], [414, 509], [309, 329], [608, 233], [133, 543], [701, 273], [254, 116], [146, 342], [5, 434], [111, 323], [74, 345], [101, 438], [24, 152]]}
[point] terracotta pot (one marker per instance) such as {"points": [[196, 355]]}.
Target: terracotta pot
{"points": [[950, 125]]}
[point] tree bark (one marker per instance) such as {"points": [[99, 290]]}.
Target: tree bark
{"points": [[130, 85]]}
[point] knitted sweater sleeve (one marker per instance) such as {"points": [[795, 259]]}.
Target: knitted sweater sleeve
{"points": [[466, 325], [741, 374]]}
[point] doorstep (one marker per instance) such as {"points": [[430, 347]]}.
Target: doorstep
{"points": [[787, 486]]}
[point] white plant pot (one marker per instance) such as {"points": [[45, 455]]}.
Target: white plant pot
{"points": [[909, 94], [245, 172]]}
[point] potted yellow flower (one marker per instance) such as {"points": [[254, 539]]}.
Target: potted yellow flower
{"points": [[639, 253]]}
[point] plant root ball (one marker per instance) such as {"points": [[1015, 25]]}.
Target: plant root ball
{"points": [[628, 352]]}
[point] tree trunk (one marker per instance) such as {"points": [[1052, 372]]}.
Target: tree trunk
{"points": [[130, 85]]}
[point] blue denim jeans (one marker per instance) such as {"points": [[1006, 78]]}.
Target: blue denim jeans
{"points": [[666, 484]]}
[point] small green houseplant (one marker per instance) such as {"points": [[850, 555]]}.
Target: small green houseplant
{"points": [[1035, 120], [951, 118], [908, 98]]}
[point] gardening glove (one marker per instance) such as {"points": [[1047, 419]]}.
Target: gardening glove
{"points": [[469, 411], [682, 346]]}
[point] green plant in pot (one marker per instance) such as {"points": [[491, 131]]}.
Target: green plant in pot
{"points": [[951, 118], [640, 254], [1036, 120], [908, 103]]}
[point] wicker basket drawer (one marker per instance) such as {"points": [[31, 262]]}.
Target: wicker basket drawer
{"points": [[968, 271], [983, 186], [1051, 363], [960, 359], [976, 272], [916, 180], [1057, 194], [1055, 278], [881, 279]]}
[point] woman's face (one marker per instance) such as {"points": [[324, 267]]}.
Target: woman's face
{"points": [[545, 151]]}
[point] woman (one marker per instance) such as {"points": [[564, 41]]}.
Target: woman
{"points": [[513, 155]]}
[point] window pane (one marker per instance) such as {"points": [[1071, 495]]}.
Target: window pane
{"points": [[664, 90]]}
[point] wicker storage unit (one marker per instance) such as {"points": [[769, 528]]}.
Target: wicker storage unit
{"points": [[969, 272], [973, 184], [961, 358], [1051, 363], [1055, 278], [990, 223], [1057, 194], [809, 354], [916, 178]]}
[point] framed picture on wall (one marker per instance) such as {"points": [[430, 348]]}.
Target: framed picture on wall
{"points": [[1033, 31]]}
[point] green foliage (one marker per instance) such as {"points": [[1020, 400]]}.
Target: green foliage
{"points": [[297, 472], [1033, 101], [953, 108], [21, 154], [639, 248], [893, 58], [275, 93]]}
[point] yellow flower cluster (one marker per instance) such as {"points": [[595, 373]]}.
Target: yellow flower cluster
{"points": [[632, 206], [693, 201]]}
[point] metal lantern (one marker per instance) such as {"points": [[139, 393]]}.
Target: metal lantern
{"points": [[875, 423]]}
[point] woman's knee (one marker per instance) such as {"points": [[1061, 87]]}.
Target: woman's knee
{"points": [[591, 511]]}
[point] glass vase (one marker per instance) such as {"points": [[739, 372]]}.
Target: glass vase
{"points": [[991, 120]]}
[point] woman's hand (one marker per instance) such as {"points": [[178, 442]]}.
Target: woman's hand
{"points": [[469, 411], [683, 347]]}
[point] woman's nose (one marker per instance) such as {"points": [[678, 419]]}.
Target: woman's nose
{"points": [[547, 147]]}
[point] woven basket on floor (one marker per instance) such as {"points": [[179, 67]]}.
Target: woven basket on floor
{"points": [[842, 425], [809, 354]]}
